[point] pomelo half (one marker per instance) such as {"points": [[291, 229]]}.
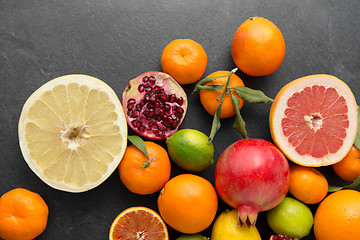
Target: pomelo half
{"points": [[313, 120], [73, 132]]}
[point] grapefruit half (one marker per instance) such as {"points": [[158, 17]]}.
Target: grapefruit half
{"points": [[313, 120]]}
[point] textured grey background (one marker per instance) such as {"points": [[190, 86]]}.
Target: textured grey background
{"points": [[117, 40]]}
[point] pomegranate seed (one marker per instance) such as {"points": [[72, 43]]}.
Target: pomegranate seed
{"points": [[173, 125], [167, 108], [138, 107], [153, 98], [141, 129], [146, 79], [148, 89], [163, 97], [130, 106], [152, 81], [131, 101], [180, 101], [158, 89], [172, 98], [178, 115], [152, 125], [136, 123], [141, 88], [159, 104], [157, 111], [151, 112], [147, 97], [180, 110], [165, 118]]}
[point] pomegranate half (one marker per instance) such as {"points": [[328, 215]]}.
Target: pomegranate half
{"points": [[252, 175], [154, 104]]}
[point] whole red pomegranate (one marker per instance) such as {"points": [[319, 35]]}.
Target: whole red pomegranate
{"points": [[252, 175], [154, 104]]}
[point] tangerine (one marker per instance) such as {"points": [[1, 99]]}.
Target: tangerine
{"points": [[23, 215], [338, 216], [210, 99], [348, 168], [307, 184], [185, 60], [141, 175], [188, 203], [258, 47]]}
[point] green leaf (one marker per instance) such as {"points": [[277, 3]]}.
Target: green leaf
{"points": [[239, 123], [205, 80], [211, 87], [251, 95], [139, 143], [353, 185], [357, 138], [215, 124]]}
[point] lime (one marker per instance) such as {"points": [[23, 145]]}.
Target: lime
{"points": [[291, 218], [226, 227], [189, 149], [192, 237]]}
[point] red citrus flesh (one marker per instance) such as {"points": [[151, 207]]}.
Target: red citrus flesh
{"points": [[138, 223], [324, 113]]}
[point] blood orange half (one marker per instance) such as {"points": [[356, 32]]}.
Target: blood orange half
{"points": [[313, 120], [138, 223]]}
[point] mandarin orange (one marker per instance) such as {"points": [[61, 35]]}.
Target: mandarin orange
{"points": [[210, 99], [23, 215], [348, 168], [143, 176], [258, 47], [307, 184], [188, 203], [185, 60]]}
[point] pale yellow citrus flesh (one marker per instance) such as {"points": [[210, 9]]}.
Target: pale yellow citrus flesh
{"points": [[72, 132]]}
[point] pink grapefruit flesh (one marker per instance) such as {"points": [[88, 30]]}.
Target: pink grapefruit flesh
{"points": [[313, 120]]}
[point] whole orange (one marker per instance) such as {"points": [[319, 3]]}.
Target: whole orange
{"points": [[258, 47], [188, 203], [210, 99], [338, 216], [185, 60], [143, 176], [348, 168], [307, 184], [23, 215]]}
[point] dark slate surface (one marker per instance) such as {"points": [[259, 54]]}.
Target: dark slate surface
{"points": [[116, 40]]}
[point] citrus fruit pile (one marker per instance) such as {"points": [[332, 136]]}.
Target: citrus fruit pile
{"points": [[73, 134]]}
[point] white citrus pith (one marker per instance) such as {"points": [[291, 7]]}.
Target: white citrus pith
{"points": [[313, 120], [73, 132]]}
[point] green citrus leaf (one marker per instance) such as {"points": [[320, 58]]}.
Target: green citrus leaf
{"points": [[139, 143], [251, 95], [205, 80], [211, 87], [239, 123], [357, 138], [215, 124], [353, 185]]}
